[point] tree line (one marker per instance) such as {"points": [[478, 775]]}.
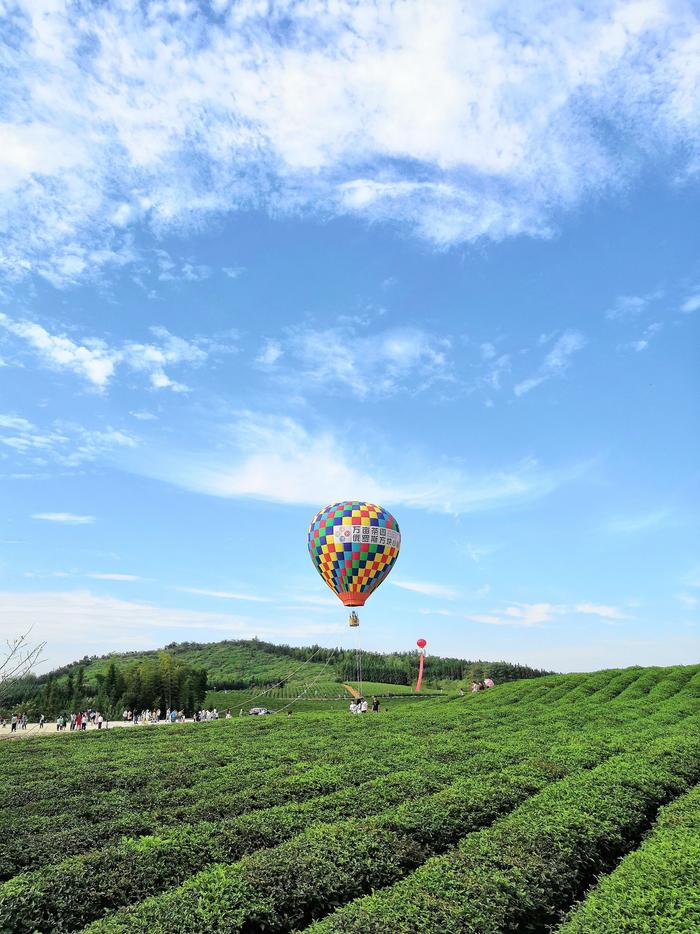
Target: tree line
{"points": [[153, 682]]}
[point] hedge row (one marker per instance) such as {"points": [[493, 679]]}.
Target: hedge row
{"points": [[54, 898], [522, 872], [656, 889], [37, 841], [282, 888], [69, 894]]}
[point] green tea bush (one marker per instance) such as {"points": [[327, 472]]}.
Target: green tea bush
{"points": [[520, 873], [654, 890]]}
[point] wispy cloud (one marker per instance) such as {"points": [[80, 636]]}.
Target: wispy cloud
{"points": [[692, 303], [555, 363], [536, 614], [68, 518], [224, 594], [631, 306], [597, 609], [64, 618], [96, 362], [366, 360], [278, 459], [426, 588], [61, 442], [461, 126], [269, 354], [688, 600], [643, 342], [638, 523], [127, 578]]}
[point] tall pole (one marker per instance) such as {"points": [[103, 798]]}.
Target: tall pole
{"points": [[420, 673]]}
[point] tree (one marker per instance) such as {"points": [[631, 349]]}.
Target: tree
{"points": [[17, 661]]}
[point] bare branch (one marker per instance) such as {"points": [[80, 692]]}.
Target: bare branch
{"points": [[19, 658]]}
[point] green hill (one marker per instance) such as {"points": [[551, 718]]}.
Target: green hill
{"points": [[565, 803], [245, 665]]}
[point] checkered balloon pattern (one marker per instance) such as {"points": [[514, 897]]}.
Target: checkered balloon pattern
{"points": [[353, 547]]}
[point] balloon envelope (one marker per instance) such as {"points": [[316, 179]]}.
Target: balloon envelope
{"points": [[421, 643], [353, 546]]}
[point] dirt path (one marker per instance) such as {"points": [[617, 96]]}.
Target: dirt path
{"points": [[351, 690], [50, 729]]}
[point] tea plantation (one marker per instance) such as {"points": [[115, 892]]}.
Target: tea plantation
{"points": [[563, 803]]}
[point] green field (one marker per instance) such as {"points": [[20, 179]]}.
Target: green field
{"points": [[566, 803]]}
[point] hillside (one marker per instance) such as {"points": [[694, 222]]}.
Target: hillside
{"points": [[249, 665], [491, 812]]}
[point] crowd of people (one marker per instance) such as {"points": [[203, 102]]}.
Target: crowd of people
{"points": [[74, 721], [359, 705], [82, 719], [170, 716]]}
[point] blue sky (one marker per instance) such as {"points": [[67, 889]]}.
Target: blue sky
{"points": [[256, 261]]}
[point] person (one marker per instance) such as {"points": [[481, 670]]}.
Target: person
{"points": [[173, 716], [353, 707], [475, 687], [240, 712], [375, 705], [364, 706], [85, 721], [78, 721], [488, 682], [228, 714], [482, 686], [13, 723], [461, 692], [42, 720]]}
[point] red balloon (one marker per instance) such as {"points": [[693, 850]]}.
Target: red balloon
{"points": [[421, 643]]}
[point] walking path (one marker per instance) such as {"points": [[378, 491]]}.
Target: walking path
{"points": [[351, 690], [50, 728]]}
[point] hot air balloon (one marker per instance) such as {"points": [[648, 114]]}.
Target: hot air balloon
{"points": [[421, 643], [353, 546]]}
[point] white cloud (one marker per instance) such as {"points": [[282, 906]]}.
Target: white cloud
{"points": [[426, 588], [62, 442], [483, 121], [223, 594], [692, 303], [96, 362], [79, 621], [68, 518], [631, 306], [596, 609], [114, 577], [688, 600], [270, 353], [638, 523], [643, 342], [536, 614], [369, 363], [144, 416], [277, 459], [556, 361]]}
